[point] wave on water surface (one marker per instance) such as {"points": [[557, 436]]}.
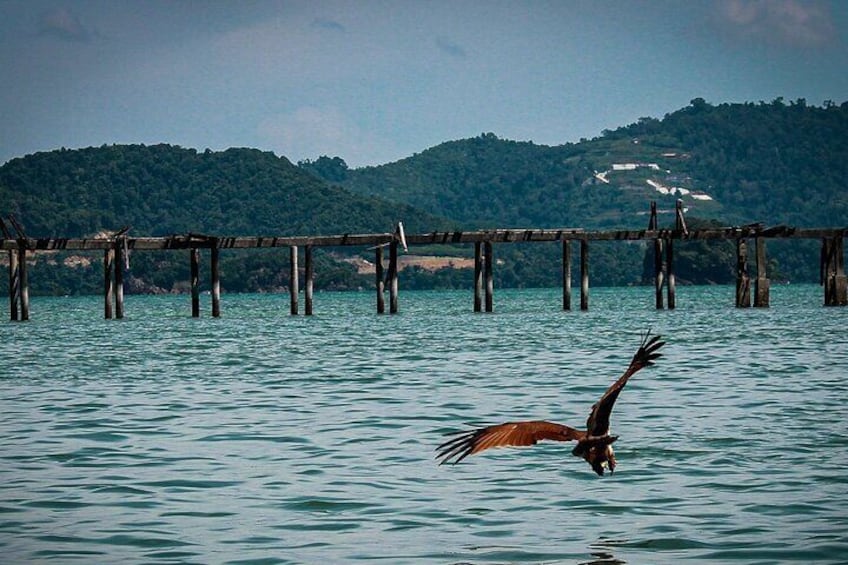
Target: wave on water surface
{"points": [[264, 438]]}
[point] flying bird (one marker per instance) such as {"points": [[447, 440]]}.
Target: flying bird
{"points": [[594, 444]]}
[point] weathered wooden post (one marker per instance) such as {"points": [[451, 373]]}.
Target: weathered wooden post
{"points": [[380, 281], [761, 286], [824, 270], [294, 285], [23, 278], [584, 274], [393, 277], [680, 220], [120, 259], [215, 275], [478, 276], [114, 259], [743, 281], [14, 286], [307, 291], [195, 282], [672, 285], [659, 273], [840, 282], [566, 274], [658, 259], [108, 287], [489, 275], [399, 238], [680, 229], [833, 272], [14, 273], [652, 220]]}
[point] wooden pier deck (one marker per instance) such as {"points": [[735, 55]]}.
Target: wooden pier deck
{"points": [[117, 247]]}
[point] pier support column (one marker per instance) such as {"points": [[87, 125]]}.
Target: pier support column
{"points": [[478, 276], [584, 274], [659, 267], [681, 230], [659, 274], [839, 281], [195, 282], [14, 287], [216, 279], [23, 281], [120, 261], [393, 277], [671, 283], [566, 274], [294, 284], [743, 281], [833, 272], [761, 286], [307, 291], [108, 286], [18, 278], [488, 275], [380, 282]]}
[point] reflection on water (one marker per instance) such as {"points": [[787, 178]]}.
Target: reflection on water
{"points": [[603, 558], [264, 438]]}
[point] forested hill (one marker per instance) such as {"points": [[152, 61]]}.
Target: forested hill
{"points": [[765, 162], [776, 163], [737, 163], [163, 189]]}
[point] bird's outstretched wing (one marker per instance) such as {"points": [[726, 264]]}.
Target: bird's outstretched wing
{"points": [[502, 435], [598, 422]]}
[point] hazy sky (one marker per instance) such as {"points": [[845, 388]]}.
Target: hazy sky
{"points": [[376, 81]]}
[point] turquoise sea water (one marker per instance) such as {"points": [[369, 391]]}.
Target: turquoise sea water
{"points": [[264, 438]]}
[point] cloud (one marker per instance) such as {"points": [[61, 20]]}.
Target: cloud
{"points": [[794, 22], [328, 24], [307, 132], [449, 47], [63, 24], [310, 132]]}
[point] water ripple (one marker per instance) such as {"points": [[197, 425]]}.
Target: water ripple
{"points": [[169, 440]]}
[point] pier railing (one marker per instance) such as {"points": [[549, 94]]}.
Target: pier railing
{"points": [[117, 247]]}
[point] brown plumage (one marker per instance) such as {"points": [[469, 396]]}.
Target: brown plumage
{"points": [[594, 444]]}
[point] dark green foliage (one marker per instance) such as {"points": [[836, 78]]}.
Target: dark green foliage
{"points": [[774, 163], [482, 182], [770, 162], [162, 190], [329, 169], [767, 162]]}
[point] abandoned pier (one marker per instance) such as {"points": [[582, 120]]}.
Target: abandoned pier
{"points": [[117, 247]]}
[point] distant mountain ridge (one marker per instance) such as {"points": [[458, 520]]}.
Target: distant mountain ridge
{"points": [[164, 189], [770, 162], [775, 163]]}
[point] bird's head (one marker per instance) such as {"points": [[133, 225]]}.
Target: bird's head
{"points": [[602, 457]]}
